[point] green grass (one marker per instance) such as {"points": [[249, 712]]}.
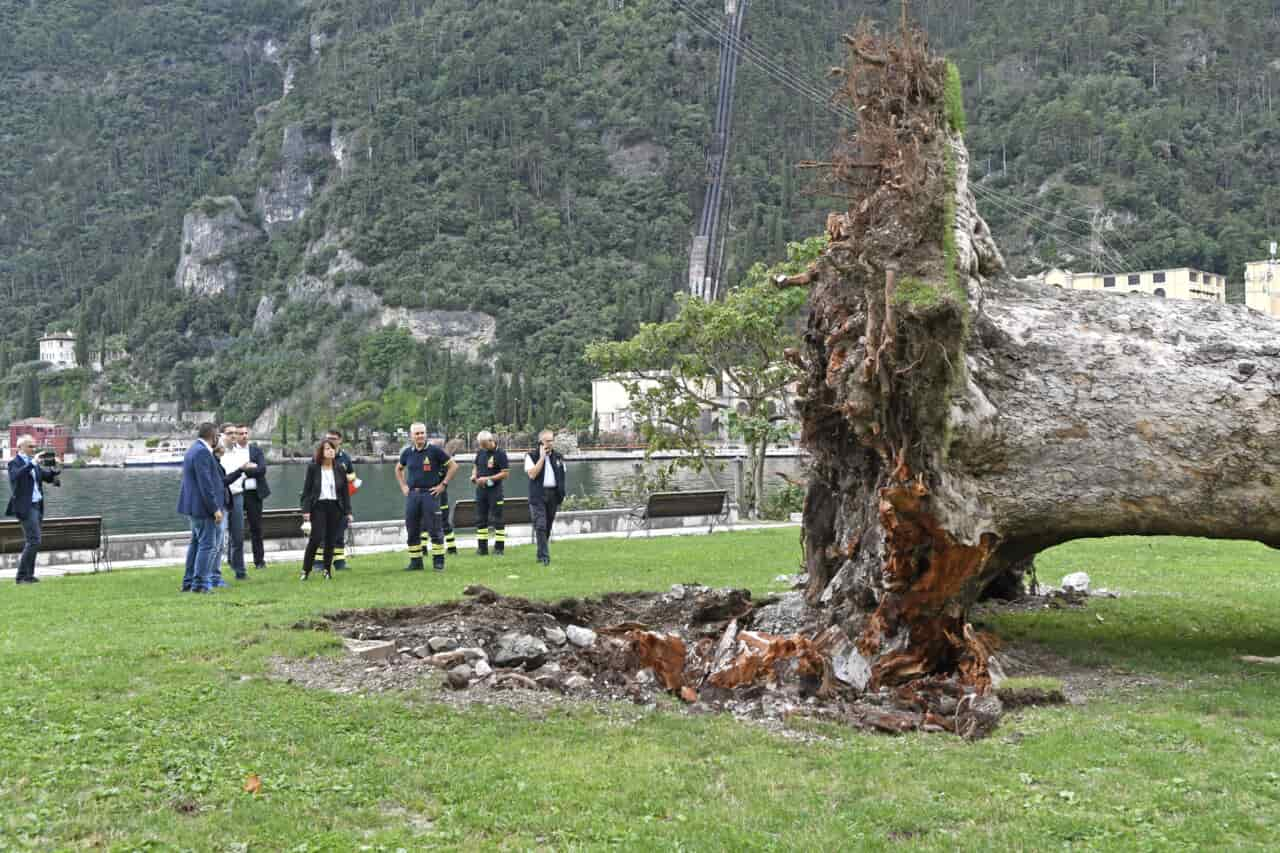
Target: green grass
{"points": [[916, 293], [123, 702], [1033, 682]]}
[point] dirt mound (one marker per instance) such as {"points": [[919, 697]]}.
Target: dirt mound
{"points": [[717, 650]]}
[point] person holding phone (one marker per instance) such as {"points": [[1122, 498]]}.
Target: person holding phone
{"points": [[545, 467]]}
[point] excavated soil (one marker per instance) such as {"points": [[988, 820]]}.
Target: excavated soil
{"points": [[714, 650]]}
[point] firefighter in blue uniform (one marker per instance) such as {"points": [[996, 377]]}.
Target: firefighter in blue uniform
{"points": [[491, 469], [424, 471], [347, 468]]}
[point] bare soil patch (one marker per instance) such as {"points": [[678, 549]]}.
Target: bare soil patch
{"points": [[713, 650]]}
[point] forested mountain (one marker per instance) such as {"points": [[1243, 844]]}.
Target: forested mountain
{"points": [[509, 181]]}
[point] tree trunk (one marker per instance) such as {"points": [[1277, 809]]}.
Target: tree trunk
{"points": [[960, 421]]}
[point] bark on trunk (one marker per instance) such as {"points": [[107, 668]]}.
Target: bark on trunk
{"points": [[957, 431]]}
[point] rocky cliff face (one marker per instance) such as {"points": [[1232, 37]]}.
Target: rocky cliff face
{"points": [[460, 332], [210, 230], [288, 195]]}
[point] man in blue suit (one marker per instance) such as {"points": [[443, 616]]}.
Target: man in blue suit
{"points": [[201, 500], [26, 502]]}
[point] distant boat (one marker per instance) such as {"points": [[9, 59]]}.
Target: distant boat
{"points": [[154, 458]]}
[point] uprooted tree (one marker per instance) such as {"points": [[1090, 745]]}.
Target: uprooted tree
{"points": [[961, 421]]}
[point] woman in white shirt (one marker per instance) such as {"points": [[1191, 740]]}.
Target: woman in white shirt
{"points": [[325, 502]]}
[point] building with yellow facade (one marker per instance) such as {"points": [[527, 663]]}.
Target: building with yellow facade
{"points": [[1262, 286], [1177, 283]]}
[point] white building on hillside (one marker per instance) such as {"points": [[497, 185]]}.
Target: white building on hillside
{"points": [[611, 406], [1176, 283], [59, 349]]}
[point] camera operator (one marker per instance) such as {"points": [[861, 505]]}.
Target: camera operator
{"points": [[27, 473]]}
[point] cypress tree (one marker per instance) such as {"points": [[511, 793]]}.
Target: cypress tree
{"points": [[31, 396]]}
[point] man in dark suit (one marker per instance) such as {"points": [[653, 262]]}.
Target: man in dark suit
{"points": [[201, 500], [256, 492], [26, 502]]}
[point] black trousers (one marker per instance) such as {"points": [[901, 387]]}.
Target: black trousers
{"points": [[422, 514], [449, 540], [324, 532], [489, 508], [543, 511], [253, 512]]}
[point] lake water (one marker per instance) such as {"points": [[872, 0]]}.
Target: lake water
{"points": [[143, 500]]}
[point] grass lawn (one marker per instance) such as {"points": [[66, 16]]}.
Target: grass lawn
{"points": [[131, 716]]}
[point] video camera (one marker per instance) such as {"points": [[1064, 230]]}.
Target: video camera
{"points": [[48, 458]]}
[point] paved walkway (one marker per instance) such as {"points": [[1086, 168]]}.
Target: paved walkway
{"points": [[467, 544]]}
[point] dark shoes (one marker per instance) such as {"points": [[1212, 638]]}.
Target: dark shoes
{"points": [[328, 574], [339, 565], [415, 565], [498, 550], [32, 579], [306, 573], [482, 550], [452, 552], [437, 563]]}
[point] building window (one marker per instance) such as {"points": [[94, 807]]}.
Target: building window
{"points": [[1108, 281], [1158, 278], [1160, 292], [1134, 280], [1195, 276]]}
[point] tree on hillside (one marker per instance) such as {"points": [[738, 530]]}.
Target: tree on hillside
{"points": [[30, 407], [716, 361]]}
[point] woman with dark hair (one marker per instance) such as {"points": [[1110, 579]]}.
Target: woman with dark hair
{"points": [[325, 502]]}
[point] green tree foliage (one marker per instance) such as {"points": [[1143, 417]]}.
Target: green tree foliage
{"points": [[545, 163], [30, 407], [716, 361]]}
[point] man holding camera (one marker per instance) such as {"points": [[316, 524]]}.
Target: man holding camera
{"points": [[27, 473]]}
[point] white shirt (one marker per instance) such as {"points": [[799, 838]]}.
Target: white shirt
{"points": [[250, 484], [548, 473], [328, 492], [233, 458]]}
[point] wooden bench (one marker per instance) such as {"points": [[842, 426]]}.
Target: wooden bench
{"points": [[287, 524], [514, 511], [74, 533], [279, 524], [710, 502]]}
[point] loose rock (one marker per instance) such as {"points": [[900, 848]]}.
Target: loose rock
{"points": [[580, 637], [516, 649], [1077, 582], [442, 644], [371, 649], [459, 677], [555, 635]]}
